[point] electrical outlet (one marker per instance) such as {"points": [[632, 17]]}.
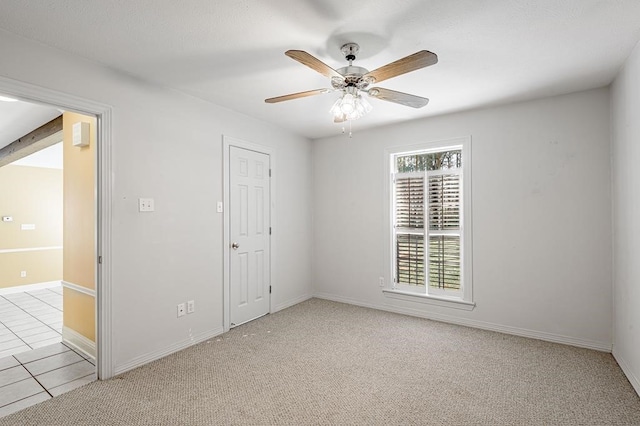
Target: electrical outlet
{"points": [[180, 309], [381, 281], [191, 306], [146, 205], [23, 274]]}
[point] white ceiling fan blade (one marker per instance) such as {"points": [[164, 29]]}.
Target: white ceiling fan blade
{"points": [[312, 62], [412, 101], [418, 60], [297, 95]]}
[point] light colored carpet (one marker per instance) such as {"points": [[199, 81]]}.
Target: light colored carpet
{"points": [[321, 362]]}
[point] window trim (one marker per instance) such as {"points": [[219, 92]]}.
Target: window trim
{"points": [[465, 300]]}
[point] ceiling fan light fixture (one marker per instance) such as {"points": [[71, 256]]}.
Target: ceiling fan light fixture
{"points": [[350, 106]]}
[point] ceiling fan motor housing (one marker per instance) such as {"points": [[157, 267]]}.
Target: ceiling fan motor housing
{"points": [[350, 50], [352, 77]]}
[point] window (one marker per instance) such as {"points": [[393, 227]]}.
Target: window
{"points": [[430, 221]]}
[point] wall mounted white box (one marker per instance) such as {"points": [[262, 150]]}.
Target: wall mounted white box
{"points": [[81, 133]]}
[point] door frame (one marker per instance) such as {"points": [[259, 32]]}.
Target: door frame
{"points": [[227, 142], [103, 184]]}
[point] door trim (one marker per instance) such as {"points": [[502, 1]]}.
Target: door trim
{"points": [[227, 142], [103, 112]]}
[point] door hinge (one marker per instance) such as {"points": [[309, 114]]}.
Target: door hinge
{"points": [[269, 289], [100, 260], [269, 172], [269, 230]]}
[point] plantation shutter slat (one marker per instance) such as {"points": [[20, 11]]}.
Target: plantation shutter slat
{"points": [[410, 259], [444, 261], [444, 215], [410, 252], [444, 202], [410, 202]]}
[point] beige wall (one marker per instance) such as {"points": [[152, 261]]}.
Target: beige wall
{"points": [[79, 313], [31, 195], [79, 227]]}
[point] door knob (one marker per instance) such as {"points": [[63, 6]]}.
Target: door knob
{"points": [[235, 246]]}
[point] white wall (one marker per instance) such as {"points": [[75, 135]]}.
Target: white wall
{"points": [[168, 146], [625, 109], [541, 217]]}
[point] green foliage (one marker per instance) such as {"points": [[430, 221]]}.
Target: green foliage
{"points": [[444, 160]]}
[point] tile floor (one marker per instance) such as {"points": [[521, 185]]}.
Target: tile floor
{"points": [[34, 364], [34, 376], [30, 320]]}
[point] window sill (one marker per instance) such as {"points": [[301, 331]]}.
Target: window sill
{"points": [[431, 300]]}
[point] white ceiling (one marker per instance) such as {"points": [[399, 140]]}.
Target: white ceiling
{"points": [[50, 157], [232, 52], [19, 118]]}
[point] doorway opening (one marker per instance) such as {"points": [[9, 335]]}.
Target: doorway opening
{"points": [[90, 338]]}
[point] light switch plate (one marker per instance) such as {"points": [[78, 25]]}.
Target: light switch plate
{"points": [[7, 219], [146, 205], [181, 309], [219, 207]]}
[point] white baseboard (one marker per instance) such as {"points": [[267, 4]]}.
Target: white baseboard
{"points": [[289, 303], [176, 347], [523, 332], [29, 287], [626, 369], [79, 343], [80, 289]]}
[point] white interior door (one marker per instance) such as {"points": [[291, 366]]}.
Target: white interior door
{"points": [[249, 257]]}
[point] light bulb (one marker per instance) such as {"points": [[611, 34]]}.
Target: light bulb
{"points": [[335, 109], [348, 104]]}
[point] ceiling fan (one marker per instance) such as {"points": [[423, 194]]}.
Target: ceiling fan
{"points": [[353, 81]]}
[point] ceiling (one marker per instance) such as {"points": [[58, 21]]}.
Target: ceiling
{"points": [[232, 52], [19, 118]]}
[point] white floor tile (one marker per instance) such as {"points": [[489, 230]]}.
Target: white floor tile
{"points": [[39, 292], [19, 390], [41, 310], [53, 362], [12, 375], [66, 374], [47, 335], [7, 337], [42, 353], [50, 317], [15, 351], [31, 331], [24, 403], [33, 324], [48, 342], [18, 322], [10, 315], [9, 344], [8, 362]]}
